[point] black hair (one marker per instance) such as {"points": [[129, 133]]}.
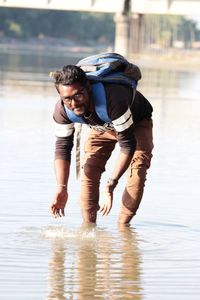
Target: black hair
{"points": [[70, 74]]}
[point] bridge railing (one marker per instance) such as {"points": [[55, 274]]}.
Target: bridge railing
{"points": [[171, 7], [107, 6], [175, 7]]}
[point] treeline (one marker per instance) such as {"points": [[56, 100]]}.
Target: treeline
{"points": [[161, 30], [26, 23], [170, 31]]}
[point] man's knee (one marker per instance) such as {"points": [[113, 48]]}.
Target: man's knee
{"points": [[93, 168], [141, 160]]}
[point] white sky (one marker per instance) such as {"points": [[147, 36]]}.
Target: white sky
{"points": [[195, 18]]}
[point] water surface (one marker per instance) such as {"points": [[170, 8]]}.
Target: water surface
{"points": [[157, 257]]}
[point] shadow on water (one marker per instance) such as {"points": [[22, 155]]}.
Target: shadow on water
{"points": [[93, 263]]}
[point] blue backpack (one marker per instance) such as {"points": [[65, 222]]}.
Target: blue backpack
{"points": [[111, 68]]}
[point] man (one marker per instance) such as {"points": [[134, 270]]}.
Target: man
{"points": [[130, 125]]}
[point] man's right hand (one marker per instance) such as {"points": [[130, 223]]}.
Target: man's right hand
{"points": [[58, 203]]}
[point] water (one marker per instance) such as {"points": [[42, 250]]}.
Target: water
{"points": [[157, 257]]}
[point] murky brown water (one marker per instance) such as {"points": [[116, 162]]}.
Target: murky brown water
{"points": [[42, 258]]}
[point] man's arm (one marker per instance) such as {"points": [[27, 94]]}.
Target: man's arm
{"points": [[62, 168], [64, 131], [122, 120], [127, 144]]}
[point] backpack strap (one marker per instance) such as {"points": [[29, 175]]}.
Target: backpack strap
{"points": [[99, 98], [73, 118]]}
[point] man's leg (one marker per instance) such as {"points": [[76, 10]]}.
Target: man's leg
{"points": [[98, 149], [137, 171]]}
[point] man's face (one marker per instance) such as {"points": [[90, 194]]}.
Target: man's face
{"points": [[75, 97]]}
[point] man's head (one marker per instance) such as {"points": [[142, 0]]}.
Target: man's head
{"points": [[73, 88]]}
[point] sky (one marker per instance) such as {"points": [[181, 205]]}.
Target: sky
{"points": [[196, 19]]}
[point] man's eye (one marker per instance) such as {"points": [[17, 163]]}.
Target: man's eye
{"points": [[78, 96], [67, 99]]}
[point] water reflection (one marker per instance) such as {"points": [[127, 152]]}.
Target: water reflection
{"points": [[56, 278], [38, 62], [103, 266]]}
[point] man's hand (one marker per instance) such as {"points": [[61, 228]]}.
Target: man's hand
{"points": [[58, 203], [107, 205]]}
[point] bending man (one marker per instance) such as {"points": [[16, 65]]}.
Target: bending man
{"points": [[130, 125]]}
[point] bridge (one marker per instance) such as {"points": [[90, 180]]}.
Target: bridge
{"points": [[128, 13], [174, 7]]}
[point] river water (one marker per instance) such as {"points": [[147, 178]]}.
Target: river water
{"points": [[157, 257]]}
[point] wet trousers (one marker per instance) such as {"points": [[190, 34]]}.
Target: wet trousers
{"points": [[98, 149]]}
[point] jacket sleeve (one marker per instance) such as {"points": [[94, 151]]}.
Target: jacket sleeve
{"points": [[118, 105], [64, 131]]}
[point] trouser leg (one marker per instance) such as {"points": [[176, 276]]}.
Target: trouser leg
{"points": [[98, 149], [137, 171]]}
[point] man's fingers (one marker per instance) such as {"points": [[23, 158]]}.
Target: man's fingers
{"points": [[101, 208], [53, 210], [57, 212], [104, 210], [107, 205], [107, 211]]}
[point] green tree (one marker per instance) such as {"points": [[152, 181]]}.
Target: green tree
{"points": [[27, 23]]}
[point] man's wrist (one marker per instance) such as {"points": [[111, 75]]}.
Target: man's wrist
{"points": [[112, 183], [61, 186]]}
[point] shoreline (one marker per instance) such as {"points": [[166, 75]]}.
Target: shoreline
{"points": [[172, 59], [188, 61]]}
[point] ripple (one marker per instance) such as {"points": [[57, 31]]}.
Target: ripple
{"points": [[61, 232]]}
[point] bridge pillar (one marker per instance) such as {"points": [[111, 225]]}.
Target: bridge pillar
{"points": [[136, 33], [122, 30]]}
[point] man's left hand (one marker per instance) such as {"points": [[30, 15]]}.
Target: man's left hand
{"points": [[107, 205]]}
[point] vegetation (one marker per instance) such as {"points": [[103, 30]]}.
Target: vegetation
{"points": [[25, 23], [168, 31]]}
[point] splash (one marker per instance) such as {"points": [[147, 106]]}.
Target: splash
{"points": [[61, 232]]}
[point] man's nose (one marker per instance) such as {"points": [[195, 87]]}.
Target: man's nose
{"points": [[74, 102]]}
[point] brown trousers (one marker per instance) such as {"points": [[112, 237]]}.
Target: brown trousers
{"points": [[98, 149]]}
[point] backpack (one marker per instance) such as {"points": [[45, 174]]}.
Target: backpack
{"points": [[110, 68]]}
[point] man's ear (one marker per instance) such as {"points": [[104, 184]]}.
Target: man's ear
{"points": [[57, 89]]}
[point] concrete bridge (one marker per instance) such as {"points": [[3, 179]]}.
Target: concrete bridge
{"points": [[175, 7], [128, 13]]}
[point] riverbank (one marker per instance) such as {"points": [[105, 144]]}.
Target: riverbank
{"points": [[50, 46], [183, 60], [169, 60]]}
